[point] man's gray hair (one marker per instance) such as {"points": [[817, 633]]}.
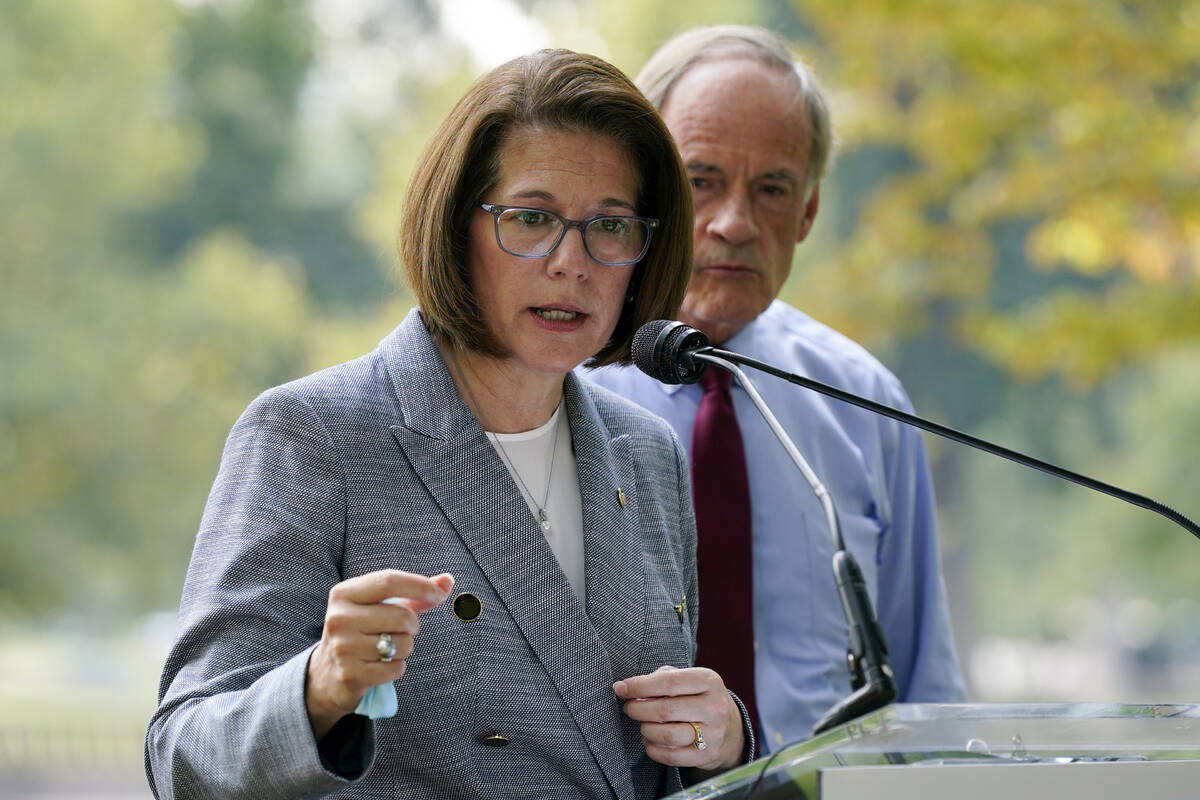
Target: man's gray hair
{"points": [[720, 42]]}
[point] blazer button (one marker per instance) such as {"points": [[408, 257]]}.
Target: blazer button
{"points": [[467, 607], [494, 740]]}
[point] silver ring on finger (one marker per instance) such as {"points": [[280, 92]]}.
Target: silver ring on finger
{"points": [[698, 742], [385, 647]]}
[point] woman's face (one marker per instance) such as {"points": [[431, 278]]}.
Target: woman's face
{"points": [[553, 313]]}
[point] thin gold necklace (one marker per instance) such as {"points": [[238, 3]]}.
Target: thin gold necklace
{"points": [[542, 517]]}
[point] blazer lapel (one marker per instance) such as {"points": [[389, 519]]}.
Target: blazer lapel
{"points": [[451, 454], [614, 573]]}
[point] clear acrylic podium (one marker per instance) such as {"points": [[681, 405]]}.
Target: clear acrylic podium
{"points": [[1040, 750]]}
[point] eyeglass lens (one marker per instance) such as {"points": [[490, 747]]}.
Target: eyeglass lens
{"points": [[612, 240]]}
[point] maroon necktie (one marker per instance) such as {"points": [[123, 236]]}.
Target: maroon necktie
{"points": [[725, 638]]}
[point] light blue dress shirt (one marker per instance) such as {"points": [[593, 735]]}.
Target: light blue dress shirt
{"points": [[878, 474]]}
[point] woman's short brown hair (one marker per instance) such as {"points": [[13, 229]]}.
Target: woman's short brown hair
{"points": [[549, 90]]}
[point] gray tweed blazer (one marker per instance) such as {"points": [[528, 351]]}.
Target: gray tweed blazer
{"points": [[378, 463]]}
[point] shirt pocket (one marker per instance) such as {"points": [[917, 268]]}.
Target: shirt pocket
{"points": [[863, 534]]}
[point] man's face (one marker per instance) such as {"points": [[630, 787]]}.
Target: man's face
{"points": [[744, 136]]}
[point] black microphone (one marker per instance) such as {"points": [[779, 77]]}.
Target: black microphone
{"points": [[664, 349], [871, 680]]}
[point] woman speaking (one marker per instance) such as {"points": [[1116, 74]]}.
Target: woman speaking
{"points": [[451, 533]]}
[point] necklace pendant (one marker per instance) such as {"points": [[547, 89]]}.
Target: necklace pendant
{"points": [[543, 520]]}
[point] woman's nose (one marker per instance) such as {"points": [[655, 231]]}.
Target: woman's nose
{"points": [[570, 259]]}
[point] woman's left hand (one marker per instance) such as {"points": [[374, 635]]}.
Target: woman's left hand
{"points": [[679, 709]]}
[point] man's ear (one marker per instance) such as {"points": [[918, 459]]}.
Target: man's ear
{"points": [[811, 205]]}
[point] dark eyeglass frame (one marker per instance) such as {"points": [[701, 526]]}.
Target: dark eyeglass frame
{"points": [[580, 225]]}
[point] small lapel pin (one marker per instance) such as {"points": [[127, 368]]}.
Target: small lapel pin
{"points": [[621, 496], [682, 607]]}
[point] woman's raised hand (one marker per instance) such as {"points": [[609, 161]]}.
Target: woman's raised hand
{"points": [[352, 655]]}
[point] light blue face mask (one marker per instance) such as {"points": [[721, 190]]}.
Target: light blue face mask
{"points": [[379, 702]]}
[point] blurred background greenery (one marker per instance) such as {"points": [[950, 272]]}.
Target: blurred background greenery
{"points": [[200, 201]]}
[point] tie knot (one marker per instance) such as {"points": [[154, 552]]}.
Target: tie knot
{"points": [[716, 379]]}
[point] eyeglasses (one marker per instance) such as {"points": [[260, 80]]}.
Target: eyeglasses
{"points": [[535, 233]]}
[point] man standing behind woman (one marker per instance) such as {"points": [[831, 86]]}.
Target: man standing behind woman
{"points": [[754, 132], [454, 516]]}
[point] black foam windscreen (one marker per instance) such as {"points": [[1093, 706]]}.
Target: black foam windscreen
{"points": [[663, 350], [645, 354]]}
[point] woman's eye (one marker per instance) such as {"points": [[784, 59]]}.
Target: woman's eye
{"points": [[531, 218], [614, 226]]}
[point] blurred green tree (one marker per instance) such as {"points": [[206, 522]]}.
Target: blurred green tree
{"points": [[1068, 126], [121, 378], [1061, 543], [1016, 231], [239, 83]]}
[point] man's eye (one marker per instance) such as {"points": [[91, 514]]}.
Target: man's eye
{"points": [[775, 191], [700, 183]]}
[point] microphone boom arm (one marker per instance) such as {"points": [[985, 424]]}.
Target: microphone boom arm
{"points": [[823, 496], [960, 437]]}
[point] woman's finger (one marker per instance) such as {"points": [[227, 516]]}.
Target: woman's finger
{"points": [[351, 619], [669, 734], [670, 683], [374, 647], [423, 591], [686, 708]]}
